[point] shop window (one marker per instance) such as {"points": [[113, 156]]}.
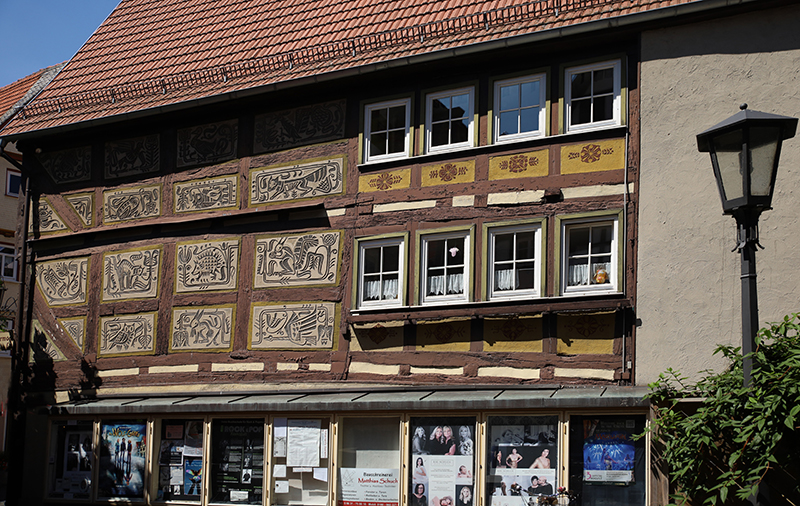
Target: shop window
{"points": [[442, 461], [300, 461], [380, 272], [449, 120], [180, 460], [590, 255], [369, 461], [522, 459], [387, 127], [13, 182], [237, 461], [123, 453], [445, 267], [519, 106], [8, 263], [606, 465], [71, 460], [593, 96], [515, 261]]}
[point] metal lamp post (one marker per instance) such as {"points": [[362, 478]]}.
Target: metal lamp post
{"points": [[745, 149]]}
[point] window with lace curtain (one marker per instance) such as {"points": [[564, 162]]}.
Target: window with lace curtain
{"points": [[590, 256], [445, 267], [514, 261], [380, 272]]}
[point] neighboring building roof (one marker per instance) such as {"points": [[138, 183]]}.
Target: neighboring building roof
{"points": [[16, 95], [154, 53]]}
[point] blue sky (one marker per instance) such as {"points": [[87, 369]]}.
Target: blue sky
{"points": [[45, 32]]}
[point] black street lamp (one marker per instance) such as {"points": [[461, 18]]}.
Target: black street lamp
{"points": [[745, 149]]}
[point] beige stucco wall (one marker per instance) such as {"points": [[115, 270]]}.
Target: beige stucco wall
{"points": [[694, 76]]}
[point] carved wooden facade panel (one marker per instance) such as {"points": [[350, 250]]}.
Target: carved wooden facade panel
{"points": [[530, 164], [391, 180], [593, 156], [83, 205], [213, 142], [127, 335], [128, 204], [131, 274], [47, 219], [207, 194], [207, 265], [292, 326], [448, 173], [297, 127], [43, 349], [132, 157], [296, 260], [305, 180], [75, 329], [69, 165], [63, 282], [202, 329]]}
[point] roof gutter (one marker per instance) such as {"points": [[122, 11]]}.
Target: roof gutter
{"points": [[626, 20]]}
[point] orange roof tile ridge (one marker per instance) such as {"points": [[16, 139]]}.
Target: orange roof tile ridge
{"points": [[349, 47], [45, 76]]}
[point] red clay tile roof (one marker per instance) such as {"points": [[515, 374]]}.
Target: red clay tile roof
{"points": [[151, 53], [15, 95]]}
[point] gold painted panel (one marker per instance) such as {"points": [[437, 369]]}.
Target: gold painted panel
{"points": [[448, 173], [208, 328], [127, 335], [530, 164], [384, 336], [83, 205], [131, 274], [392, 180], [207, 194], [585, 334], [300, 326], [63, 282], [128, 204], [297, 260], [319, 178], [593, 156], [443, 336], [203, 266], [75, 329], [522, 335]]}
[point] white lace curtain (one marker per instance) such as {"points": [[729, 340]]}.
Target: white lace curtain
{"points": [[372, 289], [455, 284], [579, 274], [504, 279]]}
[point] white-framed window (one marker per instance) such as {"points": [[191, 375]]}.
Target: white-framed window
{"points": [[13, 182], [445, 267], [380, 272], [515, 261], [387, 127], [8, 263], [590, 255], [519, 106], [449, 119], [593, 96]]}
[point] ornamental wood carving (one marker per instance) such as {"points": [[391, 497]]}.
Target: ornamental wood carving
{"points": [[292, 326], [296, 127], [47, 219], [207, 194], [131, 274], [75, 329], [69, 165], [305, 180], [203, 144], [202, 329], [63, 282], [128, 204], [83, 205], [295, 260], [127, 334], [132, 157], [206, 266]]}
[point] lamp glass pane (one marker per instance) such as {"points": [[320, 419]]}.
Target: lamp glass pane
{"points": [[729, 148], [763, 146]]}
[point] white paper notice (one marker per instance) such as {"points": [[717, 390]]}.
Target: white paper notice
{"points": [[302, 443], [279, 471], [281, 487], [239, 496], [323, 444], [279, 437], [321, 474]]}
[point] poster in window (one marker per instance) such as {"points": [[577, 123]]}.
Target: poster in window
{"points": [[123, 447], [75, 450], [237, 461], [442, 463], [608, 450], [522, 458], [193, 476], [369, 487]]}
